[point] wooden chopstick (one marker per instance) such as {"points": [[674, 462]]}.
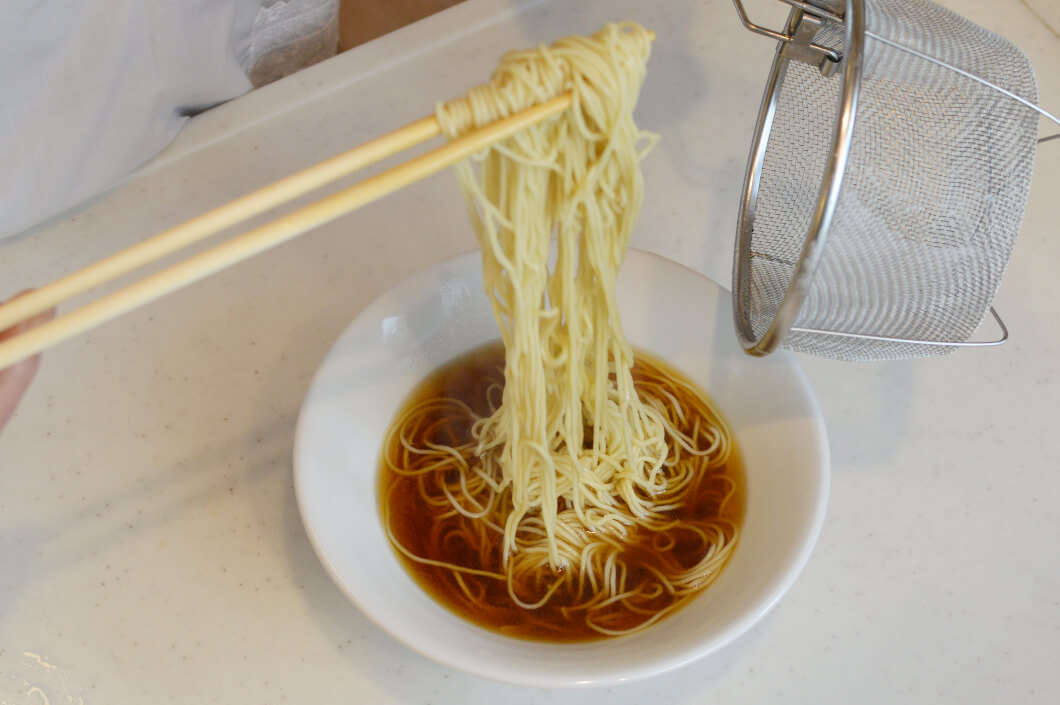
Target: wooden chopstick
{"points": [[216, 220], [253, 241]]}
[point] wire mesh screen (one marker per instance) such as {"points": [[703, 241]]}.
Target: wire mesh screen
{"points": [[932, 196]]}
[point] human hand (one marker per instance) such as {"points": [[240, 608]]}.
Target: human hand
{"points": [[14, 380]]}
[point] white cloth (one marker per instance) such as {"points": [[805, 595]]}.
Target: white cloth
{"points": [[93, 89]]}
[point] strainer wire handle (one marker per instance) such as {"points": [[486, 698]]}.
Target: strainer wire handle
{"points": [[967, 74], [798, 37], [832, 13], [913, 341]]}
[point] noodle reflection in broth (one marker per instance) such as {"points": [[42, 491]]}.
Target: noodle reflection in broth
{"points": [[572, 492]]}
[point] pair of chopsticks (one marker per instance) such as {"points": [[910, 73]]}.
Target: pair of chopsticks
{"points": [[253, 241]]}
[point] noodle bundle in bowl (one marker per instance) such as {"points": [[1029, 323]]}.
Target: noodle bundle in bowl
{"points": [[563, 489]]}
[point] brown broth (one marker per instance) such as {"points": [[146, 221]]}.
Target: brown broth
{"points": [[412, 521]]}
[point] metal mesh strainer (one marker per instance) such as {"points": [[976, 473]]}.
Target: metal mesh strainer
{"points": [[886, 184]]}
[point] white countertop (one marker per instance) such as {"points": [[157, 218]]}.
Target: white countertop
{"points": [[150, 546]]}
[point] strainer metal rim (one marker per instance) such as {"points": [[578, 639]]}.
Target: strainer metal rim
{"points": [[828, 195]]}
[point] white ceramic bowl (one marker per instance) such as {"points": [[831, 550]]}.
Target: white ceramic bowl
{"points": [[669, 310]]}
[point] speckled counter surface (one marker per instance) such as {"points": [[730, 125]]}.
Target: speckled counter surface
{"points": [[150, 546]]}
